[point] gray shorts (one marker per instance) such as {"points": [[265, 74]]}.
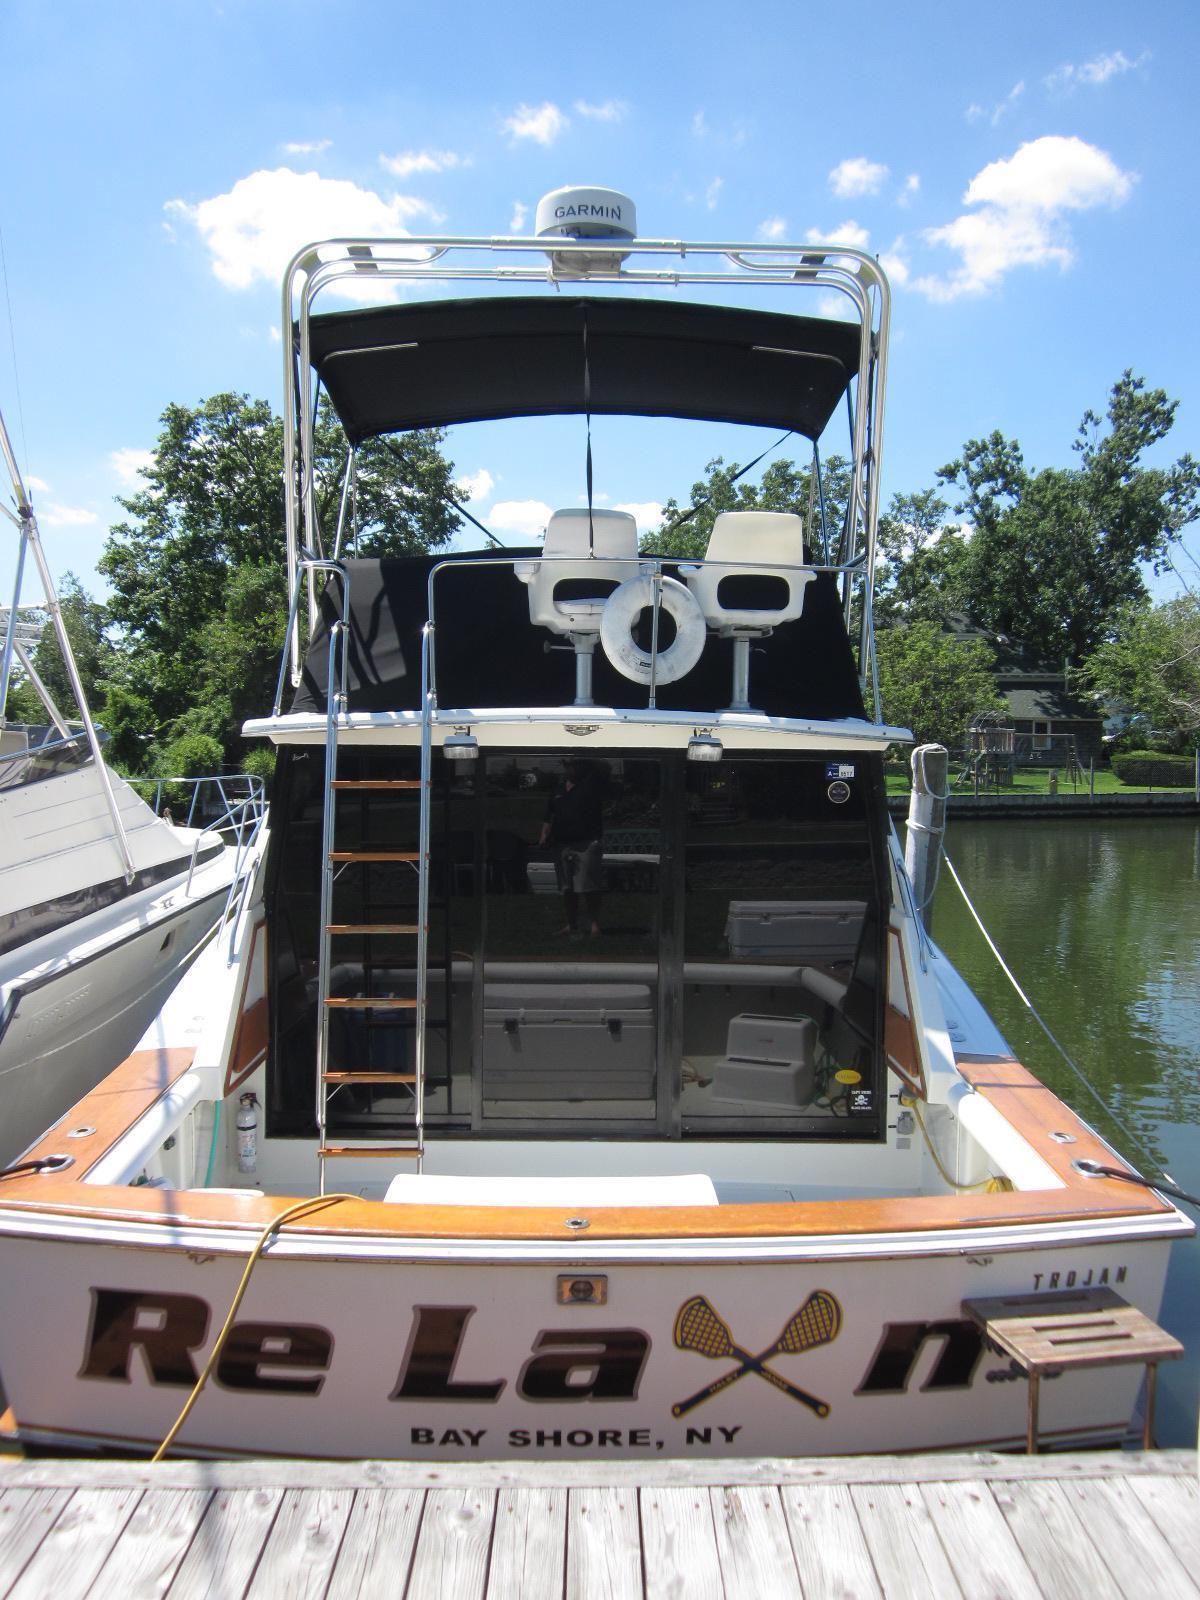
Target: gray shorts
{"points": [[581, 867]]}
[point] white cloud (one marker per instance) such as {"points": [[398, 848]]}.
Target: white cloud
{"points": [[520, 215], [1051, 174], [1021, 202], [773, 229], [699, 125], [857, 175], [525, 517], [542, 124], [311, 147], [410, 161], [838, 306], [253, 231], [894, 264], [58, 516], [38, 485], [1099, 70], [848, 233], [648, 514], [978, 113], [910, 190], [713, 193], [609, 111], [474, 485], [127, 463]]}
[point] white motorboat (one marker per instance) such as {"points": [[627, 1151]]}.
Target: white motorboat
{"points": [[103, 903], [598, 1089]]}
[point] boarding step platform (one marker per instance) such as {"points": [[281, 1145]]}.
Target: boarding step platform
{"points": [[1046, 1334]]}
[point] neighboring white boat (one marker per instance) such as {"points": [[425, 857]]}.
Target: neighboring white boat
{"points": [[592, 987], [103, 903]]}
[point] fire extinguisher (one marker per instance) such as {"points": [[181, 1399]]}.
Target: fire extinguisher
{"points": [[247, 1134]]}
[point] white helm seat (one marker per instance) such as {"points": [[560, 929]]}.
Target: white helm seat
{"points": [[750, 544], [599, 548], [595, 552]]}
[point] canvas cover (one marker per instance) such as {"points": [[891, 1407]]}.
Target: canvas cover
{"points": [[490, 654]]}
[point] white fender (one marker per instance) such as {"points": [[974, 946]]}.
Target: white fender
{"points": [[621, 611]]}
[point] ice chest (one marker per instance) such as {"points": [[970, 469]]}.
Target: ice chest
{"points": [[769, 1063], [796, 930], [568, 1043]]}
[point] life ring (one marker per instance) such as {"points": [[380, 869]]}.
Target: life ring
{"points": [[621, 611]]}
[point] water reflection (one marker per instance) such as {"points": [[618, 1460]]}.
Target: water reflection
{"points": [[1100, 923]]}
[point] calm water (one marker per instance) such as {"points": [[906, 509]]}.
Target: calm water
{"points": [[1100, 923]]}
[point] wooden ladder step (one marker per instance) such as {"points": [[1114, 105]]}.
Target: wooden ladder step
{"points": [[370, 1077], [331, 1151], [374, 855], [376, 783], [371, 1002], [373, 927]]}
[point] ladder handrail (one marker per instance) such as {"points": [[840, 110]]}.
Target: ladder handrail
{"points": [[335, 709], [335, 704], [424, 828]]}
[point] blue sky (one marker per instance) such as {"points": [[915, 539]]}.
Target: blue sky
{"points": [[1026, 172]]}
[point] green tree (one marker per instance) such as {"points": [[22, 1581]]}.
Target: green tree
{"points": [[196, 570], [84, 620], [783, 487], [1056, 555], [919, 575], [1152, 664], [933, 682]]}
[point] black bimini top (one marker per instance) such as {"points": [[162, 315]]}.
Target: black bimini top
{"points": [[446, 361]]}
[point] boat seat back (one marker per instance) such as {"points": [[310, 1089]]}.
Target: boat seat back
{"points": [[587, 549], [752, 544]]}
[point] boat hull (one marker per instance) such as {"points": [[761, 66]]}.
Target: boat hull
{"points": [[422, 1354], [74, 1004]]}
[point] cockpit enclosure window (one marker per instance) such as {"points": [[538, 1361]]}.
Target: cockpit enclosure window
{"points": [[621, 944]]}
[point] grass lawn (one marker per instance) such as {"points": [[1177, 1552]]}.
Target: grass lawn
{"points": [[1036, 780]]}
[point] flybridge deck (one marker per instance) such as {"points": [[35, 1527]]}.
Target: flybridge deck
{"points": [[557, 353]]}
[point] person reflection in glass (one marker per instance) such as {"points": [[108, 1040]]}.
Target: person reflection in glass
{"points": [[574, 830]]}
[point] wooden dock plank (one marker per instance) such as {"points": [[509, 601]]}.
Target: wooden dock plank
{"points": [[604, 1557], [831, 1550], [1129, 1542], [223, 1557], [285, 1472], [1054, 1541], [1175, 1506], [904, 1544], [679, 1545], [76, 1547], [986, 1558], [1047, 1528], [453, 1544], [303, 1544], [752, 1539], [26, 1517], [377, 1550], [156, 1538], [529, 1545]]}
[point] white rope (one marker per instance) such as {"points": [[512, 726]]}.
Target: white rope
{"points": [[1036, 1015]]}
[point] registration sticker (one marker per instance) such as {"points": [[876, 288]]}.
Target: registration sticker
{"points": [[839, 769]]}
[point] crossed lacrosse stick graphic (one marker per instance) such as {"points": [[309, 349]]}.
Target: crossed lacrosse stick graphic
{"points": [[700, 1329]]}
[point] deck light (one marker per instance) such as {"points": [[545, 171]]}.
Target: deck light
{"points": [[704, 747], [460, 747]]}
